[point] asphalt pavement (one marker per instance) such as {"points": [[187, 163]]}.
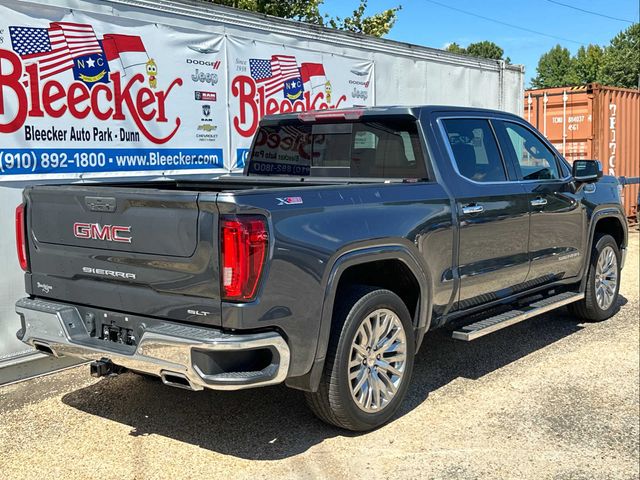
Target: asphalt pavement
{"points": [[550, 398]]}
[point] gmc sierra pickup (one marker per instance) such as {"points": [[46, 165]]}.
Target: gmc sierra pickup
{"points": [[351, 234]]}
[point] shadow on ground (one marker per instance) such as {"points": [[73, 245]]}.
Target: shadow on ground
{"points": [[273, 423]]}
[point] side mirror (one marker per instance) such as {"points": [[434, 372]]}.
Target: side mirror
{"points": [[586, 171]]}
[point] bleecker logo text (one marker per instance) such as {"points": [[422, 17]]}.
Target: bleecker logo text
{"points": [[103, 101], [255, 104]]}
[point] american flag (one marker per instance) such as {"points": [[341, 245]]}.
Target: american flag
{"points": [[80, 38], [44, 46], [54, 48], [273, 73]]}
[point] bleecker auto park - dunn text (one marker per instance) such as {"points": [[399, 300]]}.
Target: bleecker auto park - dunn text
{"points": [[95, 134]]}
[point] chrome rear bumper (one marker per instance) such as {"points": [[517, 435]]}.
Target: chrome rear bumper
{"points": [[171, 351]]}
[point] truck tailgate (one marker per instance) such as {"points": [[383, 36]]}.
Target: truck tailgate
{"points": [[145, 251]]}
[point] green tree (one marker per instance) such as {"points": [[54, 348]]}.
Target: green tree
{"points": [[587, 65], [621, 62], [453, 47], [377, 25], [302, 10], [484, 49], [555, 69]]}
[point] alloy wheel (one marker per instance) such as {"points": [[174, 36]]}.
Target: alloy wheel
{"points": [[378, 360], [606, 280]]}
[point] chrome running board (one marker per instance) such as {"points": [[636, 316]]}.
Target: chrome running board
{"points": [[506, 319]]}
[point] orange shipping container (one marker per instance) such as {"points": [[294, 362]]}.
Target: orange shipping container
{"points": [[592, 122]]}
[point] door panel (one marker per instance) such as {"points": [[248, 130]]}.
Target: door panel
{"points": [[493, 257], [557, 226], [557, 215], [493, 214]]}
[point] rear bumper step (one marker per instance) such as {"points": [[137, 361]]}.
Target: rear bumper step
{"points": [[506, 319], [183, 356]]}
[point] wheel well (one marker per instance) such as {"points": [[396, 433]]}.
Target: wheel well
{"points": [[392, 275], [611, 226]]}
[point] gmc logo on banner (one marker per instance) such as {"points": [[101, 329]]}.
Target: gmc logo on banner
{"points": [[95, 231]]}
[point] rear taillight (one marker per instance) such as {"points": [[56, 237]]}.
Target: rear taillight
{"points": [[244, 246], [21, 238]]}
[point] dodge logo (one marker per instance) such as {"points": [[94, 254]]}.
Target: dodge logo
{"points": [[95, 231]]}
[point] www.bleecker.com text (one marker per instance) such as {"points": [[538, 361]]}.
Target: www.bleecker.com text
{"points": [[95, 134]]}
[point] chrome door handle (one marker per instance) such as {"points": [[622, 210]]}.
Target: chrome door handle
{"points": [[538, 202], [469, 209]]}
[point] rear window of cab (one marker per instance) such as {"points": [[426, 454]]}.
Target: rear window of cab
{"points": [[375, 149]]}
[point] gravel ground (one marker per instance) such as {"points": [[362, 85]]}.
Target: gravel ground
{"points": [[548, 398]]}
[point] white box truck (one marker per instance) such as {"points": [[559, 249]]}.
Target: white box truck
{"points": [[97, 89]]}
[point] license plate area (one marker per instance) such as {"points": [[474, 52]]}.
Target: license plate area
{"points": [[117, 330]]}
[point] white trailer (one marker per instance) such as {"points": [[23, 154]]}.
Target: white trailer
{"points": [[94, 89]]}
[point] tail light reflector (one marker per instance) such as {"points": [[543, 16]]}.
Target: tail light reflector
{"points": [[21, 238], [244, 242]]}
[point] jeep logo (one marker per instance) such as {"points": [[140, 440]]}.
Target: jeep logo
{"points": [[95, 231], [202, 77]]}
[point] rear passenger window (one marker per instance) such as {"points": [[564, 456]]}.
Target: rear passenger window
{"points": [[475, 150], [536, 161]]}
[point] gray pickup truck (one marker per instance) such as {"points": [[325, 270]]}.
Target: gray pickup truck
{"points": [[351, 234]]}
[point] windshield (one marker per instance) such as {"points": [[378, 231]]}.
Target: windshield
{"points": [[380, 149]]}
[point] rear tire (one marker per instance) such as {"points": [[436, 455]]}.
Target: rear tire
{"points": [[603, 282], [369, 361]]}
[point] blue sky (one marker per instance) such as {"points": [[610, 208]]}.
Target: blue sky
{"points": [[428, 24]]}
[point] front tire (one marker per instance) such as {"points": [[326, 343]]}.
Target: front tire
{"points": [[603, 282], [369, 361]]}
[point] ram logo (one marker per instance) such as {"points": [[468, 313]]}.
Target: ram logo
{"points": [[95, 231]]}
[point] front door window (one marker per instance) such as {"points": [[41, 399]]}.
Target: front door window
{"points": [[535, 159]]}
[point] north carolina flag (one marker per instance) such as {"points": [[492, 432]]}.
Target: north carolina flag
{"points": [[313, 76], [124, 51], [273, 73]]}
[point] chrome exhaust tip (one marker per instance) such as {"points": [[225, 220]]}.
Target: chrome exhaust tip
{"points": [[178, 380], [43, 347]]}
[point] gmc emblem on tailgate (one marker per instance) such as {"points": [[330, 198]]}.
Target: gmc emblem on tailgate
{"points": [[95, 231]]}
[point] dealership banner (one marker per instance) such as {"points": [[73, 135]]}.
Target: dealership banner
{"points": [[268, 78], [82, 96], [91, 96]]}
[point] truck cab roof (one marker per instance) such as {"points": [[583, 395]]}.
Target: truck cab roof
{"points": [[354, 113]]}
